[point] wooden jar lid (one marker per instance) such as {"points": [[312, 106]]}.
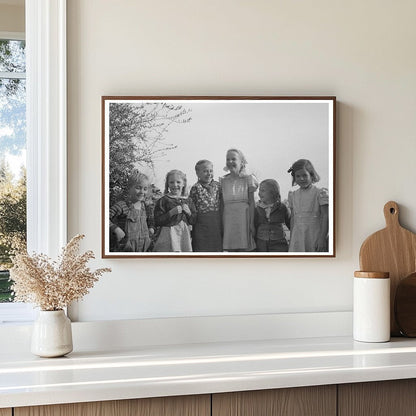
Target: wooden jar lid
{"points": [[372, 275]]}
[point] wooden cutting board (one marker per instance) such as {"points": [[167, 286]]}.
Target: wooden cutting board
{"points": [[405, 305], [393, 250]]}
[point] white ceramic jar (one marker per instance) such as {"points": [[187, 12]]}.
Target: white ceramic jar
{"points": [[371, 309]]}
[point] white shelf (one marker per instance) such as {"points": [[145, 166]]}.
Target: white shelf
{"points": [[166, 370]]}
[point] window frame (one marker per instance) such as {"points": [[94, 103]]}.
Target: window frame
{"points": [[46, 138], [46, 125]]}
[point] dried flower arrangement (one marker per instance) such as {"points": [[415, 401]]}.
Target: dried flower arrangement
{"points": [[53, 285]]}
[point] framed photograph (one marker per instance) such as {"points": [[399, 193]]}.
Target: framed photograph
{"points": [[218, 177]]}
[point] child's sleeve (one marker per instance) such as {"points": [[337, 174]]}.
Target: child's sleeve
{"points": [[150, 215], [193, 195], [287, 216], [116, 210], [220, 190], [323, 197], [290, 211], [253, 183], [221, 203], [256, 217], [290, 200], [161, 213], [192, 217]]}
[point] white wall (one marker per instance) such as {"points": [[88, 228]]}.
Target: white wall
{"points": [[12, 17], [363, 52]]}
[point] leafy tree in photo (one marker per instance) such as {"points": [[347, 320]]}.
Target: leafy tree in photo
{"points": [[137, 138]]}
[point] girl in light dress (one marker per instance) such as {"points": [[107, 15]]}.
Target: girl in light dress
{"points": [[238, 204], [174, 214], [309, 210], [131, 219]]}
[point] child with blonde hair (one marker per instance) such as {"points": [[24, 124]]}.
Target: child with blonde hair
{"points": [[131, 219], [269, 218], [174, 213], [238, 200], [309, 210], [206, 197]]}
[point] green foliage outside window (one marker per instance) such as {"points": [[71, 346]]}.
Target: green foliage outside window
{"points": [[12, 145]]}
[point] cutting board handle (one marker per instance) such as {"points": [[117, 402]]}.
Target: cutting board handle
{"points": [[391, 214]]}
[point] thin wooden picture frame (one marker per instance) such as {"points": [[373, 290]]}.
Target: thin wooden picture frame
{"points": [[257, 139]]}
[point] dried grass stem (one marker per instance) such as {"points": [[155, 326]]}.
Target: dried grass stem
{"points": [[53, 285]]}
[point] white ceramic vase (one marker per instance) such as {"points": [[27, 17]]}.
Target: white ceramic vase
{"points": [[52, 334]]}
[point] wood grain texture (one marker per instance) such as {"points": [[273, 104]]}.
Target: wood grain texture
{"points": [[382, 398], [5, 412], [299, 401], [160, 406], [372, 275], [392, 250], [405, 306]]}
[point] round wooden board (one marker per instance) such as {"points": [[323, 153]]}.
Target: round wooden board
{"points": [[393, 250], [405, 306]]}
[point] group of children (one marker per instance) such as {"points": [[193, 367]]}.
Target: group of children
{"points": [[223, 216]]}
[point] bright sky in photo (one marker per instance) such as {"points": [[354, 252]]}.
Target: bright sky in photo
{"points": [[272, 135]]}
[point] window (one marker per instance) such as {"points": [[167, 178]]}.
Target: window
{"points": [[12, 153], [46, 135]]}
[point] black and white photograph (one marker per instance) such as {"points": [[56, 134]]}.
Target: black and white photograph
{"points": [[218, 176]]}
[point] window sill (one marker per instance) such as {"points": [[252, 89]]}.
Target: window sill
{"points": [[16, 313]]}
